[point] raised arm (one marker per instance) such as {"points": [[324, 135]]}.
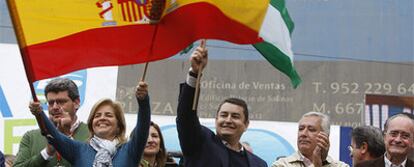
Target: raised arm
{"points": [[63, 144], [137, 143], [188, 125]]}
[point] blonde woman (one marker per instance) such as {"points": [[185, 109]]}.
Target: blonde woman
{"points": [[107, 145]]}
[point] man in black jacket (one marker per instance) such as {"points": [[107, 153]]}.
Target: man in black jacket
{"points": [[367, 143], [200, 146]]}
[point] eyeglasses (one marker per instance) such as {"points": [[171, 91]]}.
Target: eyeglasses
{"points": [[403, 135], [59, 102]]}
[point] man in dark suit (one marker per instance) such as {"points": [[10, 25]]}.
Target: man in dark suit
{"points": [[398, 139], [200, 146], [367, 143]]}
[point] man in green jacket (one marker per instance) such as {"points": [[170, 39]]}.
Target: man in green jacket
{"points": [[63, 101]]}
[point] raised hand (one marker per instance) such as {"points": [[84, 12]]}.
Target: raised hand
{"points": [[141, 90], [35, 108], [199, 57]]}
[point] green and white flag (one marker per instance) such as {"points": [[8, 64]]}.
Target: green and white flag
{"points": [[276, 48]]}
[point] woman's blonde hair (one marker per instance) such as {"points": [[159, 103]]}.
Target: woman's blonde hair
{"points": [[119, 115]]}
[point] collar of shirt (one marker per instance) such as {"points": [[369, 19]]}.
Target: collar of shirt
{"points": [[388, 163], [228, 146], [305, 160], [74, 126], [145, 163]]}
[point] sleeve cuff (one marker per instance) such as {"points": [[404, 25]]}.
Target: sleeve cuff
{"points": [[191, 80], [45, 155]]}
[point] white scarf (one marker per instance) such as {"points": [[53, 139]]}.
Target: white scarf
{"points": [[105, 149]]}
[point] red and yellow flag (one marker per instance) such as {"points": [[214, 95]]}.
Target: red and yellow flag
{"points": [[60, 36]]}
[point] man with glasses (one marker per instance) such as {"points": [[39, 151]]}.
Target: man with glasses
{"points": [[63, 101], [398, 139], [367, 143]]}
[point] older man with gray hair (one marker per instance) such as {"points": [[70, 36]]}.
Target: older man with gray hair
{"points": [[398, 140], [313, 144]]}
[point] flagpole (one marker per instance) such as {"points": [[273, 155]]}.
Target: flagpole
{"points": [[157, 9], [151, 50], [145, 71], [197, 88], [18, 30]]}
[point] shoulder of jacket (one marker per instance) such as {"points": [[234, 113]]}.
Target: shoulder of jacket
{"points": [[33, 132]]}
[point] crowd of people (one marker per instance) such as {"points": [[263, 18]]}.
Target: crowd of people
{"points": [[103, 142]]}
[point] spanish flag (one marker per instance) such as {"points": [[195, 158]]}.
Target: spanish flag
{"points": [[60, 36]]}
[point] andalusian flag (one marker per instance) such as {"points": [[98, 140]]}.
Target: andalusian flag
{"points": [[276, 48], [60, 36]]}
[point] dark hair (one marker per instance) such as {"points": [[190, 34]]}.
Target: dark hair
{"points": [[239, 102], [161, 156], [406, 115], [63, 84], [372, 136]]}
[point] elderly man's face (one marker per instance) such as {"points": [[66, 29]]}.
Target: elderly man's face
{"points": [[309, 128], [399, 137]]}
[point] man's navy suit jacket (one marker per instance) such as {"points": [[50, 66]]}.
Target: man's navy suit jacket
{"points": [[200, 146]]}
